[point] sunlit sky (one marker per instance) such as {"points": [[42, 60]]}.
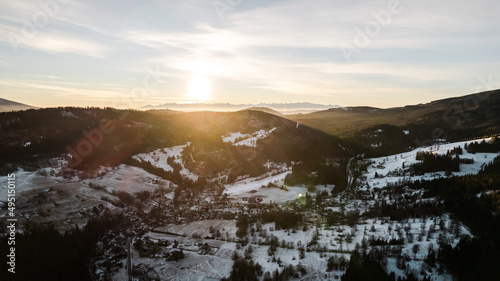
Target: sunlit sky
{"points": [[129, 54]]}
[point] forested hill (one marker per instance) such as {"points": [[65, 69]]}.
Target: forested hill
{"points": [[7, 105], [393, 130], [114, 135]]}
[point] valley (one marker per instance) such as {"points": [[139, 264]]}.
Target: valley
{"points": [[219, 196]]}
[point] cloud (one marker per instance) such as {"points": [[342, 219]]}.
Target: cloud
{"points": [[42, 38], [66, 92], [64, 43], [58, 43], [263, 49], [3, 61]]}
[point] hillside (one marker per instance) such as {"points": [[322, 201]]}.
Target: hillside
{"points": [[7, 105], [214, 195], [309, 232], [394, 130], [92, 137]]}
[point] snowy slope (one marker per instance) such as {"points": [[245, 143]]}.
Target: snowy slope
{"points": [[158, 158], [257, 187], [385, 166], [247, 139], [249, 184]]}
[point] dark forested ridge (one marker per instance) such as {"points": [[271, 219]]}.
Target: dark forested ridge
{"points": [[111, 136], [395, 130], [43, 253]]}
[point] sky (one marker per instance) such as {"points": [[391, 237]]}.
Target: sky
{"points": [[128, 54]]}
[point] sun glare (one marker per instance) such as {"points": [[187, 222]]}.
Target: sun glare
{"points": [[200, 88]]}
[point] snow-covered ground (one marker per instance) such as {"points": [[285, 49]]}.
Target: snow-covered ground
{"points": [[68, 114], [66, 197], [279, 193], [28, 181], [69, 201], [394, 163], [158, 158], [333, 241], [247, 139], [255, 184], [129, 179]]}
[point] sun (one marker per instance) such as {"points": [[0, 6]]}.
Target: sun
{"points": [[200, 88]]}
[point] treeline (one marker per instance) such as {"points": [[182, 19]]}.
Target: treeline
{"points": [[485, 147], [457, 150], [493, 167], [42, 253], [283, 220], [435, 162], [363, 266], [350, 218], [318, 174], [245, 269], [403, 210]]}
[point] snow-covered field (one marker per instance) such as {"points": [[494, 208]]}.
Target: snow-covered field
{"points": [[247, 139], [255, 184], [66, 199], [201, 228], [257, 187], [337, 240], [387, 167], [28, 181], [128, 178], [158, 158]]}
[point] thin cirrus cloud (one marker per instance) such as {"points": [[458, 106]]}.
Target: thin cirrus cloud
{"points": [[60, 88], [60, 43], [261, 51]]}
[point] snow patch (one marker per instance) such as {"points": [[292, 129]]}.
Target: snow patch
{"points": [[158, 158], [68, 114], [247, 139]]}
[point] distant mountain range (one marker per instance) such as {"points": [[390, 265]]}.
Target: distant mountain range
{"points": [[7, 105], [283, 108]]}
